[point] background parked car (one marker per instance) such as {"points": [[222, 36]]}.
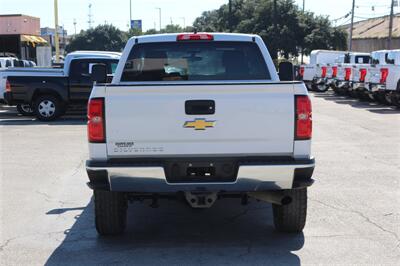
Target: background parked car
{"points": [[49, 91]]}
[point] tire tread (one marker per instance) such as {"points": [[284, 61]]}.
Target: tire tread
{"points": [[291, 217], [110, 212]]}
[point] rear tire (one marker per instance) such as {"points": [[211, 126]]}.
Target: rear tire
{"points": [[47, 107], [320, 88], [395, 98], [25, 109], [110, 210], [291, 218]]}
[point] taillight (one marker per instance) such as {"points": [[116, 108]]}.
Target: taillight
{"points": [[334, 72], [8, 86], [348, 73], [195, 37], [384, 74], [363, 73], [96, 123], [301, 71], [303, 118], [323, 75]]}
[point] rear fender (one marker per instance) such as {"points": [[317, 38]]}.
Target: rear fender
{"points": [[49, 88]]}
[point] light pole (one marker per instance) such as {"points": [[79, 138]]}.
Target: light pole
{"points": [[351, 27], [302, 49], [130, 14], [184, 22], [159, 15], [390, 26], [56, 42]]}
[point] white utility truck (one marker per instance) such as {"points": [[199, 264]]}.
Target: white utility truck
{"points": [[347, 71], [388, 80], [363, 73], [315, 73], [199, 117]]}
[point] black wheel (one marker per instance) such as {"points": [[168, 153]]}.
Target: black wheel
{"points": [[291, 218], [320, 87], [380, 97], [395, 98], [309, 88], [110, 209], [25, 109], [388, 98], [363, 96], [47, 107]]}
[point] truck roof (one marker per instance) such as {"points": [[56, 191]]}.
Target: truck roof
{"points": [[93, 54], [171, 37]]}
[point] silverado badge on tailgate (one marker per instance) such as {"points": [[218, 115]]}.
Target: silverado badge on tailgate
{"points": [[199, 124]]}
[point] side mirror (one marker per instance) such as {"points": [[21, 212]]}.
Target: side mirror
{"points": [[286, 71], [99, 73]]}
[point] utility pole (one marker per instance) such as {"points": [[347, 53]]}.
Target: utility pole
{"points": [[130, 14], [75, 26], [159, 15], [274, 37], [390, 26], [63, 37], [351, 27], [56, 41], [230, 16], [302, 49], [90, 16]]}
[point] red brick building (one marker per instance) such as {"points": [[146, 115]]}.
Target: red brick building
{"points": [[19, 36]]}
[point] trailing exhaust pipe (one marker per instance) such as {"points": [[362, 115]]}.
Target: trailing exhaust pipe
{"points": [[275, 197]]}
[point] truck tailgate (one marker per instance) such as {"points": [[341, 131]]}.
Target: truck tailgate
{"points": [[374, 74], [249, 119]]}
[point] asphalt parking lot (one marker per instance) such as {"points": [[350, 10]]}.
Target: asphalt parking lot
{"points": [[353, 214]]}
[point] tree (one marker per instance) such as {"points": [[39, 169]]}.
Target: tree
{"points": [[102, 38], [284, 27], [172, 28]]}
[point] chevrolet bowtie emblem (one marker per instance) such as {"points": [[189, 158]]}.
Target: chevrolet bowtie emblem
{"points": [[199, 124]]}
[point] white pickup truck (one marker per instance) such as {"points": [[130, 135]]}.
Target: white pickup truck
{"points": [[387, 80], [365, 73], [315, 73], [347, 71], [200, 117]]}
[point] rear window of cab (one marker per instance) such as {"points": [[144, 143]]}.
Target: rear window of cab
{"points": [[195, 61]]}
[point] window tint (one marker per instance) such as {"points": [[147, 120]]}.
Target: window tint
{"points": [[79, 68], [375, 58], [8, 63], [347, 59], [195, 61], [390, 58], [113, 67], [362, 59]]}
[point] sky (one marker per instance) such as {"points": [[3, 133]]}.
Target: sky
{"points": [[181, 12]]}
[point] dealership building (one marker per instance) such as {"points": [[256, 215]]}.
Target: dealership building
{"points": [[373, 34], [20, 35]]}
